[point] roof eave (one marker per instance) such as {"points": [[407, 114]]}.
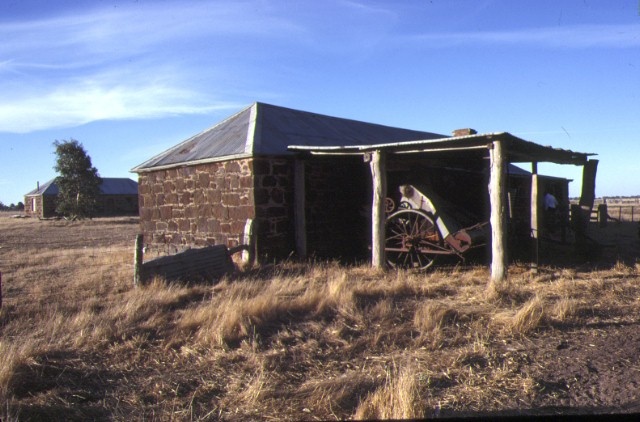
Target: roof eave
{"points": [[140, 169]]}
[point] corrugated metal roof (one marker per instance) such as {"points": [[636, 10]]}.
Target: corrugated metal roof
{"points": [[109, 186], [264, 129], [228, 137], [118, 186]]}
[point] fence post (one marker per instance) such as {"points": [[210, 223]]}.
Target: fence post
{"points": [[0, 290], [137, 260], [602, 215], [632, 213]]}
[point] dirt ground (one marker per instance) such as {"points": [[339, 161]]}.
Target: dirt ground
{"points": [[592, 368]]}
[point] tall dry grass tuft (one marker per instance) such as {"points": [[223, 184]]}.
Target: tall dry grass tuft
{"points": [[563, 310], [398, 398], [525, 319]]}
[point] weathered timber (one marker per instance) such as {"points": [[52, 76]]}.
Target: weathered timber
{"points": [[588, 194], [535, 218], [379, 178], [208, 263], [497, 180], [138, 258], [249, 239]]}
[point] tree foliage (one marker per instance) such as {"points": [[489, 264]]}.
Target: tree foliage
{"points": [[13, 207], [78, 181]]}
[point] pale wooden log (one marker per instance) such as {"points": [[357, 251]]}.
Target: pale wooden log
{"points": [[497, 183], [535, 218], [299, 192], [379, 178], [248, 239]]}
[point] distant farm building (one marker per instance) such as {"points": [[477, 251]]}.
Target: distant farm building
{"points": [[118, 196], [305, 181]]}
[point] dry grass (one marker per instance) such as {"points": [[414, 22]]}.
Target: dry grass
{"points": [[292, 341]]}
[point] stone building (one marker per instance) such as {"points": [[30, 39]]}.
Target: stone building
{"points": [[203, 190], [118, 196]]}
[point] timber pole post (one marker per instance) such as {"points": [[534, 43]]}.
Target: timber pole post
{"points": [[497, 183], [377, 162], [137, 260], [535, 218]]}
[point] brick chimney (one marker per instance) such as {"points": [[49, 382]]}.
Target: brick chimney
{"points": [[464, 132]]}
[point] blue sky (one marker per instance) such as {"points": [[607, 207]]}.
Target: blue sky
{"points": [[129, 79]]}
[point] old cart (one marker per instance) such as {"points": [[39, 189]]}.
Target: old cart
{"points": [[424, 226]]}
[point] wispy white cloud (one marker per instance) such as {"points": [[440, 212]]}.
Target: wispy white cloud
{"points": [[576, 36], [125, 63], [76, 103], [104, 33]]}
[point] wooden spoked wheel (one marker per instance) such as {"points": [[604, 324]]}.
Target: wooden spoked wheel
{"points": [[410, 235]]}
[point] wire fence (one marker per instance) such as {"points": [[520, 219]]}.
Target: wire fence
{"points": [[616, 213]]}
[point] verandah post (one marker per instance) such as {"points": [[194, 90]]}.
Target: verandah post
{"points": [[498, 218], [379, 178], [535, 218]]}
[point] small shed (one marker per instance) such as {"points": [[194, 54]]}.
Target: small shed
{"points": [[118, 196]]}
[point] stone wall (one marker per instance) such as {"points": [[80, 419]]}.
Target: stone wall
{"points": [[197, 205], [45, 206], [274, 206], [338, 207], [210, 203]]}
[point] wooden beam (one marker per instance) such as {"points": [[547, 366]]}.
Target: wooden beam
{"points": [[497, 179], [379, 179], [535, 218], [588, 195], [299, 193]]}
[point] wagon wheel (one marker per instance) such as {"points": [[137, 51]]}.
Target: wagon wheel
{"points": [[409, 234]]}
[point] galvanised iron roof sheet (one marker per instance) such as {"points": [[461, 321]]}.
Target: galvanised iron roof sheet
{"points": [[264, 129]]}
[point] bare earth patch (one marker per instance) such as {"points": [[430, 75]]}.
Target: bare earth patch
{"points": [[310, 341]]}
